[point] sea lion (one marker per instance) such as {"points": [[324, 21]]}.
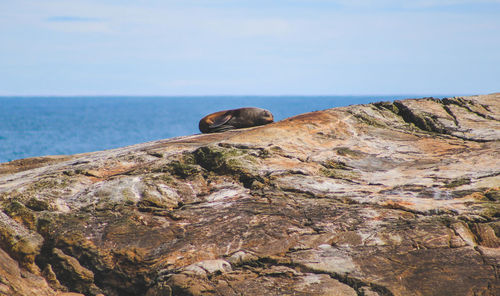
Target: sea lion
{"points": [[235, 118]]}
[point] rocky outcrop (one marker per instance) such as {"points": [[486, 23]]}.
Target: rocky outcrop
{"points": [[391, 198]]}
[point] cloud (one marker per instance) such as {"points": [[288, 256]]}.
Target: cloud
{"points": [[81, 24], [66, 18], [452, 2], [247, 46], [77, 24], [404, 5]]}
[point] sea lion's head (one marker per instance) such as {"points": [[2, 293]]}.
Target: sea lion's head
{"points": [[265, 117]]}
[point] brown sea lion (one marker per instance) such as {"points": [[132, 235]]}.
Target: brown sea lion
{"points": [[235, 118]]}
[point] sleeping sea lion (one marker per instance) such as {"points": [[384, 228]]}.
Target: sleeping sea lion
{"points": [[235, 118]]}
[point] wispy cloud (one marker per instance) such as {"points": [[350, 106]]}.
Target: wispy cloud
{"points": [[248, 46], [68, 18], [74, 23], [407, 5]]}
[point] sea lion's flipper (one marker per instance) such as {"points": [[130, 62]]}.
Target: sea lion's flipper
{"points": [[222, 128], [221, 120]]}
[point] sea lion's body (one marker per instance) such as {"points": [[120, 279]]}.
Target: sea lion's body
{"points": [[235, 118]]}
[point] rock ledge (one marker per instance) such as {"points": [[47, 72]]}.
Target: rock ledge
{"points": [[383, 199]]}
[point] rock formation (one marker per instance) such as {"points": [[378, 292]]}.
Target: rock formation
{"points": [[390, 198]]}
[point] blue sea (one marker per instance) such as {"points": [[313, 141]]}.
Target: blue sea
{"points": [[38, 126]]}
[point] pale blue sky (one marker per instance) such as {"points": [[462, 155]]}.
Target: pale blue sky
{"points": [[212, 47]]}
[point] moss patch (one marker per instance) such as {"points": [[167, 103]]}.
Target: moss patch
{"points": [[493, 194], [21, 214], [185, 167], [424, 121], [369, 120], [37, 205], [334, 164], [339, 174], [457, 182], [229, 161], [344, 151], [387, 105], [491, 210], [224, 160], [21, 244]]}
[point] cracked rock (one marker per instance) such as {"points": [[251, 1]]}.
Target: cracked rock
{"points": [[385, 199]]}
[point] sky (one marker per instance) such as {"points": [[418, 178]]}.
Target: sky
{"points": [[249, 47]]}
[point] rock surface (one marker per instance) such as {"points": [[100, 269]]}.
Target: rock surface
{"points": [[397, 198]]}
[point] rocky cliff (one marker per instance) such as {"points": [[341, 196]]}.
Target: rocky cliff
{"points": [[396, 198]]}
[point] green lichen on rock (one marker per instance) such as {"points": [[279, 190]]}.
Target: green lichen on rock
{"points": [[128, 196], [152, 199], [45, 224], [458, 182], [335, 164], [185, 167], [36, 204], [339, 174], [20, 213], [345, 151], [236, 162], [493, 194], [339, 170], [424, 121], [387, 105], [224, 160], [369, 120], [21, 243], [490, 210], [51, 182]]}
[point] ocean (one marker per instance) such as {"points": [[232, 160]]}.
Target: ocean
{"points": [[38, 126]]}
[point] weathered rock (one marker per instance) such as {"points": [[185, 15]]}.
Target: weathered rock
{"points": [[398, 198], [17, 281]]}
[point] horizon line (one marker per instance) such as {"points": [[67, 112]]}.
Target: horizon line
{"points": [[232, 95]]}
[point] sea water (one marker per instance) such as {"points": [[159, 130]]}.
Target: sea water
{"points": [[38, 126]]}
